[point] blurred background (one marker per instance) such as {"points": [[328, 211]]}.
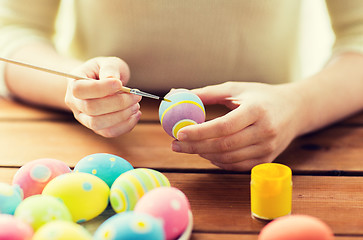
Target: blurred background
{"points": [[317, 36]]}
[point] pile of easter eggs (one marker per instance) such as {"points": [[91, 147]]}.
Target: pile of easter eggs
{"points": [[47, 200]]}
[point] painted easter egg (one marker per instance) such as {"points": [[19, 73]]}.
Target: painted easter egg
{"points": [[106, 166], [85, 195], [169, 204], [130, 225], [14, 228], [10, 198], [38, 210], [185, 109], [62, 230], [296, 227], [130, 186], [34, 175]]}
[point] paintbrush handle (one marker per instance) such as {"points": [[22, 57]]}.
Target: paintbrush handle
{"points": [[68, 75]]}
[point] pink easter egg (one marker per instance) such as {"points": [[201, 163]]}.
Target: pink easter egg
{"points": [[34, 175], [168, 204], [12, 228], [296, 227]]}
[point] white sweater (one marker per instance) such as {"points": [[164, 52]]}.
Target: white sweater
{"points": [[178, 43]]}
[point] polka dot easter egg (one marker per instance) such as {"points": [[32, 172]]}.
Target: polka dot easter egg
{"points": [[169, 204], [130, 225], [33, 176], [185, 109], [85, 195], [10, 198], [108, 167], [129, 187], [14, 228], [62, 230], [38, 210]]}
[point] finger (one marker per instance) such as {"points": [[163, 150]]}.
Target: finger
{"points": [[212, 94], [100, 122], [240, 155], [113, 67], [109, 104], [120, 128], [104, 67], [249, 136], [228, 124], [89, 89], [217, 94]]}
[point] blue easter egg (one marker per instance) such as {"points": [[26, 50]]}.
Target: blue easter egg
{"points": [[10, 197], [130, 225], [106, 166]]}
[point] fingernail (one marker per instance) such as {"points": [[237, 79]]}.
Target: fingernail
{"points": [[135, 108], [182, 136], [175, 147]]}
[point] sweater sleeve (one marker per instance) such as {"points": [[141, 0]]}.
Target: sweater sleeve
{"points": [[23, 22], [347, 23]]}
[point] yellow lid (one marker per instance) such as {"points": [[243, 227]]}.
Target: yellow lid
{"points": [[271, 190]]}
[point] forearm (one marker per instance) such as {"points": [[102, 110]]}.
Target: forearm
{"points": [[332, 94], [38, 87]]}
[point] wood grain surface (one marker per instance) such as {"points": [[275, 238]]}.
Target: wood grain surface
{"points": [[327, 168]]}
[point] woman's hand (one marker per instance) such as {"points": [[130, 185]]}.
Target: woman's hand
{"points": [[263, 121], [97, 104]]}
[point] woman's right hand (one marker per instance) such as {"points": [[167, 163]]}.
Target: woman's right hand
{"points": [[98, 104]]}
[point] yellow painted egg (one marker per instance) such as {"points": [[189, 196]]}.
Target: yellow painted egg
{"points": [[85, 195], [38, 210], [62, 230], [130, 186]]}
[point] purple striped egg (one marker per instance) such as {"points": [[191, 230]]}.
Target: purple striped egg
{"points": [[185, 109]]}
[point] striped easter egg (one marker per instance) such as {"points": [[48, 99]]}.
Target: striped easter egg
{"points": [[185, 109], [130, 186]]}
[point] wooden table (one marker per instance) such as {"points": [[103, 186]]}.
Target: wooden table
{"points": [[327, 168]]}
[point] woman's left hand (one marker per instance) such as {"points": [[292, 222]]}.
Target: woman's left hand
{"points": [[263, 121]]}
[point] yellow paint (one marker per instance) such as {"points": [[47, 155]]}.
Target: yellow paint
{"points": [[178, 103], [179, 125], [137, 185], [271, 191]]}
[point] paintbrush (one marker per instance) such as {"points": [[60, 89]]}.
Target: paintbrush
{"points": [[68, 75]]}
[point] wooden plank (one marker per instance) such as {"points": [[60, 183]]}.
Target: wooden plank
{"points": [[147, 145], [225, 198], [213, 236], [219, 236], [7, 174], [335, 148], [12, 110], [354, 120]]}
